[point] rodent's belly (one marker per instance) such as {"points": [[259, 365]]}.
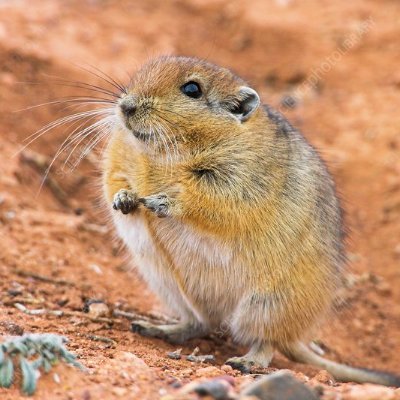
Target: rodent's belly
{"points": [[192, 272]]}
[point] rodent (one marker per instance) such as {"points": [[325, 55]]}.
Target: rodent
{"points": [[229, 213]]}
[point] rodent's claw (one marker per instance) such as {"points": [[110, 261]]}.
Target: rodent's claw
{"points": [[144, 328], [157, 203], [242, 364], [125, 201]]}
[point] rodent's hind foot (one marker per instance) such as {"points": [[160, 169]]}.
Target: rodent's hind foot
{"points": [[159, 204], [242, 364], [125, 200], [174, 333], [259, 357]]}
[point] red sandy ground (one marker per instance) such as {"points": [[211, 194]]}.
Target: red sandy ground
{"points": [[352, 116]]}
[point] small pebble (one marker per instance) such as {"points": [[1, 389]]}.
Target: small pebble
{"points": [[384, 288], [14, 292], [10, 215], [119, 391], [324, 377], [217, 389], [175, 383], [86, 395], [12, 328], [98, 310], [207, 358], [187, 371], [95, 268], [89, 302], [175, 355], [279, 386], [56, 378]]}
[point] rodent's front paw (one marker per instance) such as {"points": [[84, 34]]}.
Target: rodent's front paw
{"points": [[125, 200], [158, 203]]}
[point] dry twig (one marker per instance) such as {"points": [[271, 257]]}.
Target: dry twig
{"points": [[40, 163], [61, 313], [43, 278]]}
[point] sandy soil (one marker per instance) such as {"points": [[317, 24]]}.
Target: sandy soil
{"points": [[335, 62]]}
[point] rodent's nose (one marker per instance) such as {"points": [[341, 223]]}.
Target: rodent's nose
{"points": [[128, 107]]}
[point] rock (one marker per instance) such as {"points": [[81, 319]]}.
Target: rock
{"points": [[384, 288], [369, 392], [207, 358], [119, 391], [194, 357], [226, 368], [175, 355], [96, 268], [278, 386], [324, 377], [96, 308], [218, 389], [132, 359], [187, 371], [12, 328]]}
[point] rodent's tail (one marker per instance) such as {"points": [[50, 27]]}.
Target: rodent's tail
{"points": [[299, 352]]}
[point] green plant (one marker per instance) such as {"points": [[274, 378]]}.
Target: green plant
{"points": [[32, 353]]}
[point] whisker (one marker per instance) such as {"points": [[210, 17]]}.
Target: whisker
{"points": [[168, 138], [83, 135], [76, 138], [105, 143], [160, 134], [81, 85], [87, 127], [168, 128], [107, 113], [170, 111], [62, 148], [79, 99], [80, 106], [105, 77], [103, 132], [179, 127], [170, 143], [60, 121], [67, 142]]}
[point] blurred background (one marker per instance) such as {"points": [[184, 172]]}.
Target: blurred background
{"points": [[330, 67]]}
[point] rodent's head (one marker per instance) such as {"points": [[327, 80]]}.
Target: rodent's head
{"points": [[184, 102]]}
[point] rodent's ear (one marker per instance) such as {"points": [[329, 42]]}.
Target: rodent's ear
{"points": [[246, 103]]}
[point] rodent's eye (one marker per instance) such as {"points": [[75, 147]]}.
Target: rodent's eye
{"points": [[192, 89]]}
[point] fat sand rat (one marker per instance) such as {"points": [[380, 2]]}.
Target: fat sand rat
{"points": [[230, 215]]}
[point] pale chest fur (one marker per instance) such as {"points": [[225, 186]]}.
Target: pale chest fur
{"points": [[193, 272]]}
